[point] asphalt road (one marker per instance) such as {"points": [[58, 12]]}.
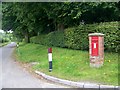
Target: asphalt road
{"points": [[14, 76]]}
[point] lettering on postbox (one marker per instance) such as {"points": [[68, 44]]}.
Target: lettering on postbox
{"points": [[94, 44]]}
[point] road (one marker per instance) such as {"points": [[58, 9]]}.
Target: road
{"points": [[14, 76]]}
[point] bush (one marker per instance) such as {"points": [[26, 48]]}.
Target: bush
{"points": [[52, 39], [2, 40], [56, 39], [111, 35], [38, 39], [77, 37]]}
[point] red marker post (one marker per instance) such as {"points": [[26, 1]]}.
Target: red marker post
{"points": [[50, 58]]}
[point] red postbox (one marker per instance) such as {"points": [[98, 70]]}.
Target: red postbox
{"points": [[94, 45], [96, 49]]}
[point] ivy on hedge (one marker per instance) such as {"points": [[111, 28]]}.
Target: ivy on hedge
{"points": [[77, 37]]}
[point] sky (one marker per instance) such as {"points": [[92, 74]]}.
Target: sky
{"points": [[1, 31]]}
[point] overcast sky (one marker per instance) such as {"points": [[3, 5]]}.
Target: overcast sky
{"points": [[1, 31]]}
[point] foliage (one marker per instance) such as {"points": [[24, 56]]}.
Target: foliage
{"points": [[56, 39], [100, 12], [77, 37], [4, 37], [26, 20], [4, 40], [38, 18]]}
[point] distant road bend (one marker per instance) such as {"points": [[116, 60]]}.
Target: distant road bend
{"points": [[14, 76]]}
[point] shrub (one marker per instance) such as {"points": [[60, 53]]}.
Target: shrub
{"points": [[56, 39], [2, 40], [77, 37], [111, 35], [38, 39]]}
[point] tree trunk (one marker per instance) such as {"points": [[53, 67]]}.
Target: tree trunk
{"points": [[55, 25], [60, 26], [27, 38]]}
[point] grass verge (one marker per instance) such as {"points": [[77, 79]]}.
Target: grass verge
{"points": [[70, 64]]}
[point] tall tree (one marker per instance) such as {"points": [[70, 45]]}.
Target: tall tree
{"points": [[28, 19]]}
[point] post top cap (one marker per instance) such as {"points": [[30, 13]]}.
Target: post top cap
{"points": [[95, 34]]}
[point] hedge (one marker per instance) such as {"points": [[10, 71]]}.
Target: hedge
{"points": [[2, 40], [77, 37]]}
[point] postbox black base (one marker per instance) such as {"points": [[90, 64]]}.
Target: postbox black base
{"points": [[50, 66]]}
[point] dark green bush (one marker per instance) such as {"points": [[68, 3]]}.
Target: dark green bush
{"points": [[2, 40], [52, 39], [39, 39], [111, 35], [35, 39], [77, 37], [56, 39]]}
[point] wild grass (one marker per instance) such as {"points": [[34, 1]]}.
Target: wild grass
{"points": [[70, 64]]}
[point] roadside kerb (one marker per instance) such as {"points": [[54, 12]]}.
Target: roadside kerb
{"points": [[106, 86], [89, 85], [66, 82], [76, 84]]}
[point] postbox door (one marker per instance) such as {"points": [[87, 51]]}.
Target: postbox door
{"points": [[94, 46]]}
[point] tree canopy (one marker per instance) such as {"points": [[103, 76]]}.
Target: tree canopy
{"points": [[28, 19]]}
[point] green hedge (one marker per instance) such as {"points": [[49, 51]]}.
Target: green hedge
{"points": [[2, 40], [77, 37], [52, 39]]}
